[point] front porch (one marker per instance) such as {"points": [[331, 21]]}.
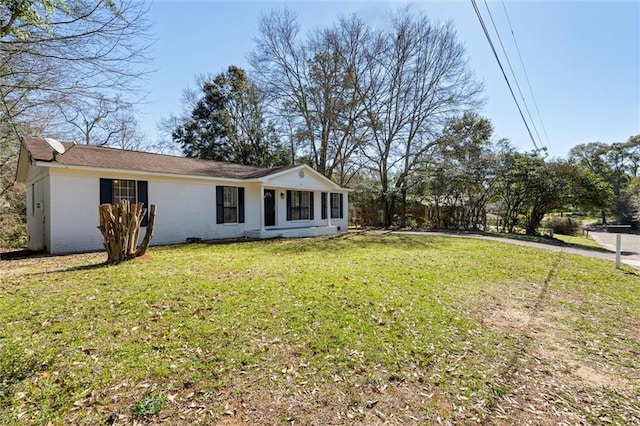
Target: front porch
{"points": [[308, 231]]}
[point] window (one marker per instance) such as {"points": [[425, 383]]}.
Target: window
{"points": [[229, 204], [336, 206], [123, 190], [299, 205], [112, 191]]}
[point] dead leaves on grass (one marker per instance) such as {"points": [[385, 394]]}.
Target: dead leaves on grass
{"points": [[560, 373]]}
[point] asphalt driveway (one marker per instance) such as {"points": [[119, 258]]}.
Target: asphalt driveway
{"points": [[630, 246]]}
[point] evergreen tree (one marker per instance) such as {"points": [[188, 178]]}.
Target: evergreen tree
{"points": [[227, 124]]}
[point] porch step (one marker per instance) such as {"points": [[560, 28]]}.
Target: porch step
{"points": [[313, 231]]}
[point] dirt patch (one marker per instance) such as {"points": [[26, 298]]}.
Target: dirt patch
{"points": [[600, 378], [509, 319], [388, 403], [559, 372]]}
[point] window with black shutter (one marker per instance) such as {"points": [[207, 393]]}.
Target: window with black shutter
{"points": [[112, 191], [229, 204]]}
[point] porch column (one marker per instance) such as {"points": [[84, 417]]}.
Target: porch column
{"points": [[261, 208], [328, 208]]}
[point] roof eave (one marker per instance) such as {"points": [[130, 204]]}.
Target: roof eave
{"points": [[22, 171], [140, 172], [306, 167]]}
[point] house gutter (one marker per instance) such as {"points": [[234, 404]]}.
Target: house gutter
{"points": [[55, 165]]}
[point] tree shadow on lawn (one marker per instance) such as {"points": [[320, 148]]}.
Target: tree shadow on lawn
{"points": [[533, 239], [38, 263], [512, 373], [351, 241]]}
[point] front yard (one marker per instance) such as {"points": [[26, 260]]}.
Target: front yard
{"points": [[355, 329]]}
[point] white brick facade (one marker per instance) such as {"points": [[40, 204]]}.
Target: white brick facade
{"points": [[67, 199]]}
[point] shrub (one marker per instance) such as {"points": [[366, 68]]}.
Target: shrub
{"points": [[563, 225]]}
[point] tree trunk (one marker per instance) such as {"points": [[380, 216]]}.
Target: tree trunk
{"points": [[120, 228], [388, 203], [403, 213], [142, 249], [533, 221]]}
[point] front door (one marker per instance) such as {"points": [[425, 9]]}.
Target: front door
{"points": [[269, 207]]}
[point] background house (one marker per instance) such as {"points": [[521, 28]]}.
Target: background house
{"points": [[195, 198]]}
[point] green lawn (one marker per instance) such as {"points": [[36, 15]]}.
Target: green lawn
{"points": [[579, 241], [357, 329], [575, 241]]}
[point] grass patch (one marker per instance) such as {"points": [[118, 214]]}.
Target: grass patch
{"points": [[579, 241], [576, 241], [149, 406], [359, 328]]}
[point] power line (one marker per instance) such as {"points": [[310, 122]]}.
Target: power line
{"points": [[515, 78], [486, 33], [513, 35]]}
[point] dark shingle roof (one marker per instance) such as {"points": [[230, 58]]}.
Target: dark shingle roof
{"points": [[111, 158]]}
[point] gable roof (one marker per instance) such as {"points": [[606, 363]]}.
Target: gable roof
{"points": [[137, 161]]}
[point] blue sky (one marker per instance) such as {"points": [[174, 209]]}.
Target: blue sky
{"points": [[582, 58]]}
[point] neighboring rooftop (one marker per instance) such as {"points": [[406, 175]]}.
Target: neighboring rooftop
{"points": [[113, 158]]}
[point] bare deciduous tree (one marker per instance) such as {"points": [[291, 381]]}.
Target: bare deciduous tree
{"points": [[418, 77], [54, 53], [103, 122], [360, 93], [311, 84]]}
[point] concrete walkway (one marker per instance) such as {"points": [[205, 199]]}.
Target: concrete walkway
{"points": [[630, 245]]}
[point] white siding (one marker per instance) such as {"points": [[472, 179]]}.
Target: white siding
{"points": [[309, 180], [74, 212], [186, 207], [293, 180]]}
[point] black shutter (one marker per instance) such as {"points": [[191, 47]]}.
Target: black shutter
{"points": [[106, 191], [143, 197], [288, 205], [240, 205], [323, 205], [219, 204], [311, 205], [341, 206]]}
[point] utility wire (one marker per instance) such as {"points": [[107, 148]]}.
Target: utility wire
{"points": [[515, 78], [486, 33], [513, 35]]}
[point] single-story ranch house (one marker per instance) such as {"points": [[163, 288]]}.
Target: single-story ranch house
{"points": [[194, 198]]}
